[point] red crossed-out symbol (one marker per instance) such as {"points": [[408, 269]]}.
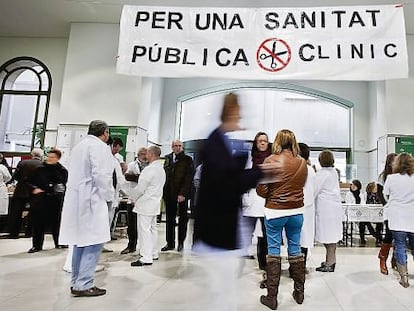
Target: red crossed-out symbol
{"points": [[273, 54]]}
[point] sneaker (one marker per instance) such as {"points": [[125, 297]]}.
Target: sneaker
{"points": [[139, 263]]}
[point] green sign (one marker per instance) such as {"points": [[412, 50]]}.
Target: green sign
{"points": [[122, 133], [404, 144]]}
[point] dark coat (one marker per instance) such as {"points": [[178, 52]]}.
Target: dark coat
{"points": [[223, 181], [179, 176], [23, 172], [47, 176]]}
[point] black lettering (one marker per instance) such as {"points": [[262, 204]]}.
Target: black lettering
{"points": [[205, 51], [338, 17], [373, 17], [338, 51], [156, 51], [320, 53], [141, 16], [356, 19], [323, 19], [218, 61], [217, 20], [185, 61], [372, 51], [240, 57], [357, 51], [272, 22], [302, 57], [138, 52], [175, 18], [236, 21], [387, 53], [310, 20], [158, 17], [206, 24], [290, 20], [172, 56]]}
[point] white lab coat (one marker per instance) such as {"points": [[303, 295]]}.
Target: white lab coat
{"points": [[89, 188], [4, 196], [400, 205], [133, 168], [328, 206], [307, 237], [148, 193], [120, 182]]}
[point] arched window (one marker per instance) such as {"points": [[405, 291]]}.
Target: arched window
{"points": [[319, 119], [25, 85]]}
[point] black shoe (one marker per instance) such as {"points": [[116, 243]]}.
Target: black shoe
{"points": [[34, 250], [139, 263], [248, 257], [180, 247], [127, 251], [12, 236], [91, 292], [167, 248], [106, 250], [326, 268]]}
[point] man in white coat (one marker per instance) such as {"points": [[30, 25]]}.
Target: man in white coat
{"points": [[147, 197], [84, 221]]}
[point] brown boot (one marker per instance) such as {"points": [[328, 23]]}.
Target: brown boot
{"points": [[297, 271], [383, 255], [273, 268], [402, 270]]}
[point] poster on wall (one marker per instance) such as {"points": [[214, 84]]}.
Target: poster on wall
{"points": [[366, 42], [404, 144], [121, 133]]}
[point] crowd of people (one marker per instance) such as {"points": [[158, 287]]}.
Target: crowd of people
{"points": [[274, 189]]}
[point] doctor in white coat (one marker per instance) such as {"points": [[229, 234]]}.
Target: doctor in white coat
{"points": [[4, 196], [84, 221], [328, 209], [147, 197]]}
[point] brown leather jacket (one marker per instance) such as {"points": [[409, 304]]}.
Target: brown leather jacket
{"points": [[289, 177]]}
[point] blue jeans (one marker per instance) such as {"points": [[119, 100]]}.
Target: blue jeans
{"points": [[84, 262], [292, 226], [400, 245]]}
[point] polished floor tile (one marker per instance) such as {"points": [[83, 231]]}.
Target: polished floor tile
{"points": [[176, 282]]}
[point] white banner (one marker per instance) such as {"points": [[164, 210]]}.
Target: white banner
{"points": [[320, 43]]}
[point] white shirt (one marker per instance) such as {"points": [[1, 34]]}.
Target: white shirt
{"points": [[400, 205], [148, 193]]}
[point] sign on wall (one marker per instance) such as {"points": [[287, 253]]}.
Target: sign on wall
{"points": [[324, 43]]}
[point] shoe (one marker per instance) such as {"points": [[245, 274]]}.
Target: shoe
{"points": [[167, 248], [106, 250], [139, 263], [34, 250], [12, 236], [180, 247], [127, 251], [248, 257], [326, 268], [91, 292], [155, 258]]}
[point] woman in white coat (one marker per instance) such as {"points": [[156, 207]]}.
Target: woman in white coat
{"points": [[399, 186], [328, 209], [4, 196]]}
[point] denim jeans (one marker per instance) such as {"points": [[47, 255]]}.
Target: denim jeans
{"points": [[84, 262], [400, 245], [292, 226]]}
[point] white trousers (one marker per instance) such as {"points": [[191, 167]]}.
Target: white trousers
{"points": [[147, 237]]}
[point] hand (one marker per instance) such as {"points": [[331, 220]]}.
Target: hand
{"points": [[37, 191], [180, 198]]}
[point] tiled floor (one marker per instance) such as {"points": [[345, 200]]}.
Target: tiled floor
{"points": [[32, 282]]}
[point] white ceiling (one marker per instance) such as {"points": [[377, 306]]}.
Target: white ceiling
{"points": [[52, 18]]}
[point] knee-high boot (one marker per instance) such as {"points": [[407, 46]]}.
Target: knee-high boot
{"points": [[383, 255], [402, 270], [273, 268], [297, 271]]}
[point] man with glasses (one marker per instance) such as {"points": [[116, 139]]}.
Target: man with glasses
{"points": [[179, 170]]}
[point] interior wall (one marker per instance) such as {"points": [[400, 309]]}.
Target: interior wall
{"points": [[91, 87]]}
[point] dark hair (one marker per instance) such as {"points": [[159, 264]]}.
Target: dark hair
{"points": [[388, 165], [326, 158], [110, 141], [304, 151], [403, 164], [356, 192], [55, 151], [231, 103], [370, 187], [254, 147], [97, 128], [117, 142]]}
